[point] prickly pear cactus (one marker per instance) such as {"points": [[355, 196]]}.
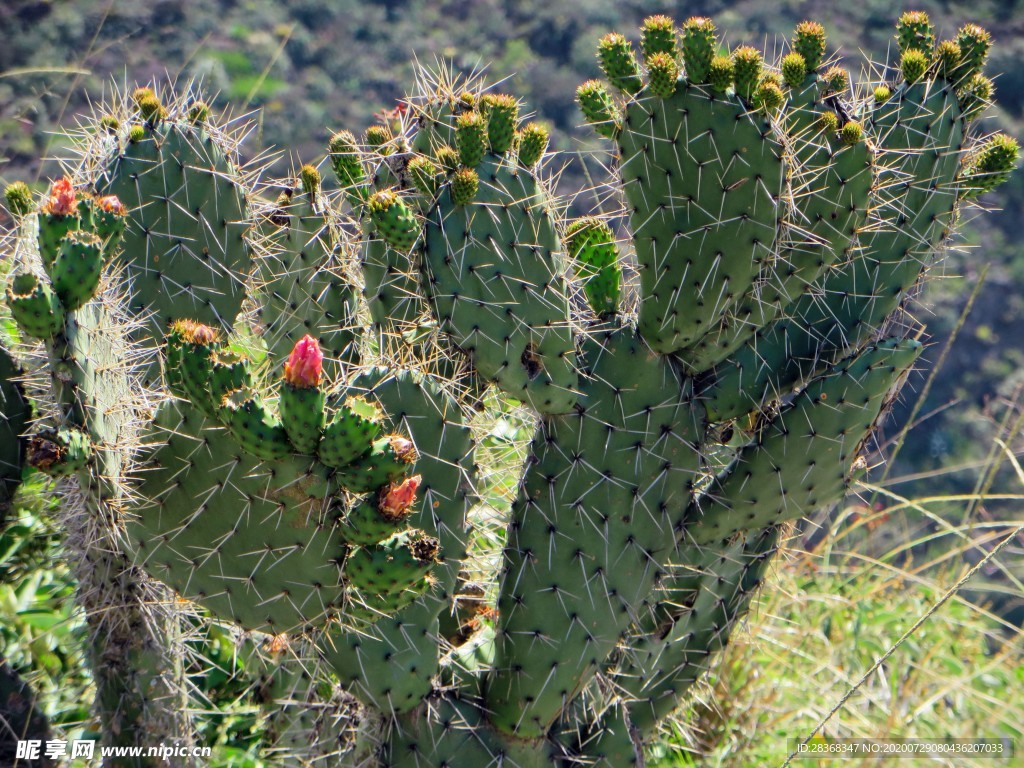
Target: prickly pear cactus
{"points": [[256, 452]]}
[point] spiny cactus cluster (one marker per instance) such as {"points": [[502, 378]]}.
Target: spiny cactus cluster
{"points": [[245, 435]]}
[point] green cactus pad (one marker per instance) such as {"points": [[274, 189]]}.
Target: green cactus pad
{"points": [[805, 458], [914, 32], [748, 64], [533, 143], [257, 430], [190, 347], [34, 306], [658, 37], [495, 272], [229, 370], [346, 162], [259, 550], [75, 273], [822, 324], [184, 250], [599, 109], [599, 504], [502, 113], [350, 434], [471, 138], [809, 42], [14, 415], [594, 252], [619, 63], [303, 414], [699, 48], [301, 284], [704, 216], [365, 524]]}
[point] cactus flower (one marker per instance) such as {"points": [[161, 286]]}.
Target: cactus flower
{"points": [[62, 200], [305, 364], [396, 498], [111, 204]]}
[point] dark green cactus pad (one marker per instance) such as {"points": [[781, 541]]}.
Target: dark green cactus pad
{"points": [[831, 184], [392, 663], [14, 415], [920, 134], [595, 256], [599, 506], [603, 742], [703, 181], [302, 414], [183, 250], [229, 370], [301, 284], [256, 428], [53, 228], [806, 456], [253, 543], [350, 434], [495, 273], [391, 286], [34, 306], [699, 602]]}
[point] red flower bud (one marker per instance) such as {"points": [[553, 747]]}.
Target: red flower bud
{"points": [[62, 200], [396, 498], [305, 364]]}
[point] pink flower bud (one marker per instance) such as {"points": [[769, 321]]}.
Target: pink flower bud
{"points": [[111, 204], [395, 499], [62, 200], [305, 364]]}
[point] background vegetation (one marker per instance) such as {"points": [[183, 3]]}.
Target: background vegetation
{"points": [[301, 70]]}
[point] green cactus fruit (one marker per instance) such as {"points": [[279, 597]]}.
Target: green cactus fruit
{"points": [[59, 452], [599, 109], [837, 80], [768, 97], [229, 370], [184, 247], [199, 112], [974, 43], [533, 143], [57, 216], [301, 399], [471, 138], [350, 434], [913, 65], [990, 165], [658, 36], [947, 60], [109, 125], [394, 221], [663, 72], [605, 482], [794, 69], [976, 95], [136, 134], [75, 273], [15, 413], [809, 42], [149, 106], [346, 161], [447, 156], [249, 420], [914, 32], [595, 254], [720, 74], [851, 133], [19, 198], [190, 347], [311, 180], [797, 463], [829, 122], [390, 459], [392, 565], [747, 65], [695, 215], [499, 252], [502, 113], [882, 94], [426, 176], [699, 48], [615, 54], [465, 185], [378, 138], [34, 306], [382, 514]]}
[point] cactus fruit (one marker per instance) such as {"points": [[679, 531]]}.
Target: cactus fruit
{"points": [[293, 475]]}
